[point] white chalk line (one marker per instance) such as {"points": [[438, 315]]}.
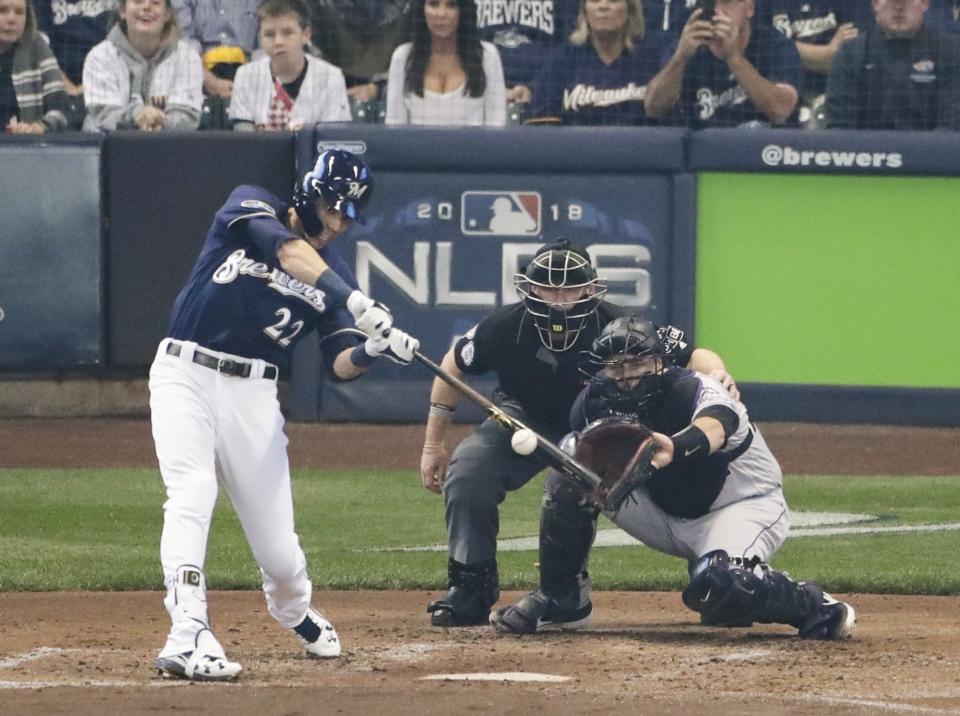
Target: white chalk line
{"points": [[804, 524], [28, 656], [512, 676], [43, 652], [873, 703]]}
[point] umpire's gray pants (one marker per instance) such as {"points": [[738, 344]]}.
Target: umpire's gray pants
{"points": [[482, 469]]}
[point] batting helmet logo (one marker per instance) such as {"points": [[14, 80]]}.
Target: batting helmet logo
{"points": [[355, 189]]}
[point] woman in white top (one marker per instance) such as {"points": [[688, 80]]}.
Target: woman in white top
{"points": [[446, 75]]}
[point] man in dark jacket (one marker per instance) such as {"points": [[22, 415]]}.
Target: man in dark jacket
{"points": [[897, 75]]}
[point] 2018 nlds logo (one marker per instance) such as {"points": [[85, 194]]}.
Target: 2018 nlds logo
{"points": [[501, 213]]}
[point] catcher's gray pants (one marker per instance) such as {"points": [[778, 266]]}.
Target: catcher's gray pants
{"points": [[751, 527], [749, 518], [482, 469]]}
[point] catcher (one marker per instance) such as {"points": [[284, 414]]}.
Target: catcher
{"points": [[710, 494]]}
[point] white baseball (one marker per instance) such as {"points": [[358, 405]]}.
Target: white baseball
{"points": [[523, 442]]}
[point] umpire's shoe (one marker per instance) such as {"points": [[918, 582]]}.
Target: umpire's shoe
{"points": [[833, 621], [538, 612], [474, 589], [318, 636], [206, 662]]}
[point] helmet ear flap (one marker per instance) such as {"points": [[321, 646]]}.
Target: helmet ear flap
{"points": [[305, 195]]}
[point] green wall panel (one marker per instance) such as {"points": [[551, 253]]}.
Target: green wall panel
{"points": [[829, 280]]}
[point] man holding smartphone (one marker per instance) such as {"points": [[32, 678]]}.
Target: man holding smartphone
{"points": [[724, 71]]}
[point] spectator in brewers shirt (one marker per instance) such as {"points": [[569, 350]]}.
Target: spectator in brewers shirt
{"points": [[897, 75], [525, 31], [728, 72], [599, 77], [72, 28], [287, 89], [818, 28]]}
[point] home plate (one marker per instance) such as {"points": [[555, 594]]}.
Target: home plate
{"points": [[497, 676]]}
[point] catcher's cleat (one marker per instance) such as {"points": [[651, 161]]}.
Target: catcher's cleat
{"points": [[833, 621], [206, 662], [318, 636], [460, 607], [538, 612]]}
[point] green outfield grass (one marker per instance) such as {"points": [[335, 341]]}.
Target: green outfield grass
{"points": [[100, 529]]}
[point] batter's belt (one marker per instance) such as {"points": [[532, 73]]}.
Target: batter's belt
{"points": [[226, 366]]}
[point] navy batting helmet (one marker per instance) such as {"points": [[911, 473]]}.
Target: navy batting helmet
{"points": [[623, 341], [342, 180], [560, 265]]}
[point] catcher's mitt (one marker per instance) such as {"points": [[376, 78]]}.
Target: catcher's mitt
{"points": [[620, 453]]}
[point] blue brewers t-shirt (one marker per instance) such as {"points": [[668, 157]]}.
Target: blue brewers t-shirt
{"points": [[575, 85], [711, 97], [525, 31]]}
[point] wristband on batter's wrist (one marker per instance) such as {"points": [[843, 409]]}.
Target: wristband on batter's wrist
{"points": [[690, 442], [360, 358], [441, 411], [334, 287]]}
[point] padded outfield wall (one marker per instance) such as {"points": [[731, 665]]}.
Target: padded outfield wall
{"points": [[827, 271], [831, 297]]}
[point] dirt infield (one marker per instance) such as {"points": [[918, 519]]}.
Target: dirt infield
{"points": [[92, 652], [800, 447]]}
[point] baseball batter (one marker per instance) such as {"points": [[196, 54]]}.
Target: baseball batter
{"points": [[532, 346], [267, 276], [716, 500]]}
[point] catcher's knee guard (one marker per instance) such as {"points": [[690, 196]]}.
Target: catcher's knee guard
{"points": [[474, 588]]}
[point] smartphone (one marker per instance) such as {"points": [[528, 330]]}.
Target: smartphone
{"points": [[708, 6]]}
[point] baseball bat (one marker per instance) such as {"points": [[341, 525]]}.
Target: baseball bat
{"points": [[585, 478], [555, 457]]}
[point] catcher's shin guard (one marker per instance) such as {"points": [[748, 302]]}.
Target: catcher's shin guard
{"points": [[567, 531], [724, 591], [735, 592], [474, 588]]}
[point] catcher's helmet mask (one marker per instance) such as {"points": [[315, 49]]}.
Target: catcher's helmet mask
{"points": [[557, 268], [341, 180], [626, 363]]}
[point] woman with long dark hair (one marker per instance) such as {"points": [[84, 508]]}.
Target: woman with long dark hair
{"points": [[446, 75]]}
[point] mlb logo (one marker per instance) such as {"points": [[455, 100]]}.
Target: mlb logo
{"points": [[500, 213]]}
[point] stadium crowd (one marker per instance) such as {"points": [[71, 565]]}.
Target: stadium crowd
{"points": [[264, 65]]}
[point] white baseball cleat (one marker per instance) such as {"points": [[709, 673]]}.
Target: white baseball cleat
{"points": [[206, 662], [318, 636]]}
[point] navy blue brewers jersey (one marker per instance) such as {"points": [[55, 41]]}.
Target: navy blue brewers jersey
{"points": [[815, 22], [711, 97], [575, 85], [239, 301], [524, 31]]}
